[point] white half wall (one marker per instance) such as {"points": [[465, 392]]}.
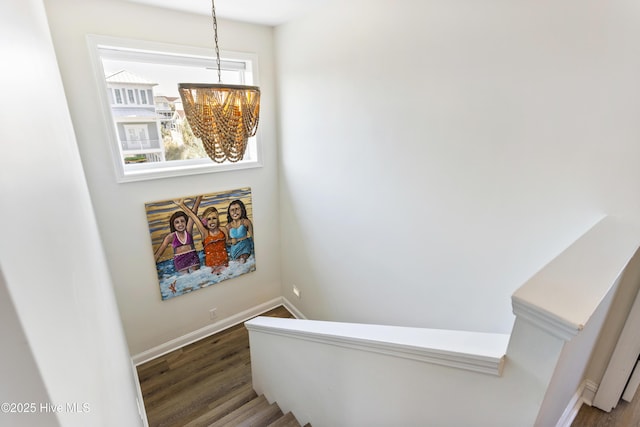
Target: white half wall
{"points": [[334, 373], [351, 385], [615, 321]]}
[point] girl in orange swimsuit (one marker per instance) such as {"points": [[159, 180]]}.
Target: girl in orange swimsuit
{"points": [[214, 238]]}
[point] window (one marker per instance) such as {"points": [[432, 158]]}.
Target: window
{"points": [[137, 137], [138, 85]]}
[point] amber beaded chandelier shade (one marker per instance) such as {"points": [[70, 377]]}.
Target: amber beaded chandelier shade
{"points": [[223, 116]]}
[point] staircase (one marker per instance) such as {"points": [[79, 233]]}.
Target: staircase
{"points": [[209, 383], [243, 409]]}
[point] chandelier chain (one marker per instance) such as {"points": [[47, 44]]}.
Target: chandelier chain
{"points": [[215, 38], [224, 117]]}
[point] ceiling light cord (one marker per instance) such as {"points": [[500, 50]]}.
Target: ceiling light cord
{"points": [[215, 38]]}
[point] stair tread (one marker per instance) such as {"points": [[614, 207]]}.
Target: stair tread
{"points": [[225, 406], [242, 413], [264, 417], [287, 420]]}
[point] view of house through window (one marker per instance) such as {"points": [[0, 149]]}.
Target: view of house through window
{"points": [[145, 107]]}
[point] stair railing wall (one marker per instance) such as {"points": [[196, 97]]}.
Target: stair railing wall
{"points": [[349, 381]]}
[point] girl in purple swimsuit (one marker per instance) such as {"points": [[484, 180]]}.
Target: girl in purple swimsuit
{"points": [[185, 257]]}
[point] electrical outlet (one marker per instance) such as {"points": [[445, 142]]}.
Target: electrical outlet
{"points": [[296, 291], [213, 314]]}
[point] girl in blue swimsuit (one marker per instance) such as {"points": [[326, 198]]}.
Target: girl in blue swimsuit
{"points": [[240, 232]]}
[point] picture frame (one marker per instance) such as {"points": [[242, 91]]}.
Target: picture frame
{"points": [[201, 240]]}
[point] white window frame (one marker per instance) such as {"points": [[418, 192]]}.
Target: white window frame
{"points": [[131, 173]]}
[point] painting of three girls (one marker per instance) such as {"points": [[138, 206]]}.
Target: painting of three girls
{"points": [[201, 240]]}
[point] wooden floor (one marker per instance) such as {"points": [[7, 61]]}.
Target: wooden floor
{"points": [[624, 415], [187, 383]]}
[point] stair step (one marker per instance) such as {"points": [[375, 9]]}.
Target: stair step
{"points": [[287, 420], [263, 418], [224, 406], [256, 412]]}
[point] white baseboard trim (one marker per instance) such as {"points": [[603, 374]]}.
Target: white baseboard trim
{"points": [[140, 399], [293, 309], [584, 394], [208, 330], [589, 393]]}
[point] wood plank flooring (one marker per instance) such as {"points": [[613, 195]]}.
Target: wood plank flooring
{"points": [[624, 415], [193, 383]]}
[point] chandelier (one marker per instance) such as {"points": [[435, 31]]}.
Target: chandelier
{"points": [[223, 116]]}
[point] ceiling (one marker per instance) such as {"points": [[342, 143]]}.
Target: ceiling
{"points": [[265, 12]]}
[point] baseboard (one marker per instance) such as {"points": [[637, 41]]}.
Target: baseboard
{"points": [[584, 394], [208, 330], [293, 309], [140, 399], [589, 393]]}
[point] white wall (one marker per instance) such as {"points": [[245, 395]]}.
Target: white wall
{"points": [[120, 213], [21, 379], [436, 154], [51, 254]]}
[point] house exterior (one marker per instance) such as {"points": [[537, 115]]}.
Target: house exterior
{"points": [[166, 111], [136, 117]]}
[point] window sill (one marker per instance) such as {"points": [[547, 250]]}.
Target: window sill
{"points": [[132, 173]]}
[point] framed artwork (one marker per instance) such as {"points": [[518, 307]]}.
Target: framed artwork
{"points": [[201, 240]]}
